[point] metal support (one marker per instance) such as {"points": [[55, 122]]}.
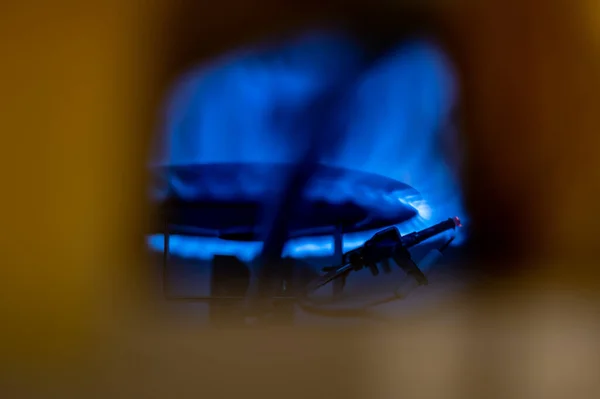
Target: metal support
{"points": [[338, 259], [166, 250], [338, 245]]}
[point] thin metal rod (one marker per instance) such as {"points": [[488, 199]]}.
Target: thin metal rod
{"points": [[338, 259], [166, 250], [338, 246]]}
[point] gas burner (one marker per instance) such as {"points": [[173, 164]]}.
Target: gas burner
{"points": [[228, 200]]}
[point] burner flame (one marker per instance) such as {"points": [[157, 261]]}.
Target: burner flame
{"points": [[224, 112]]}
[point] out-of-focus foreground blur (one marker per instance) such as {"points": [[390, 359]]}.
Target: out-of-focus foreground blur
{"points": [[82, 83]]}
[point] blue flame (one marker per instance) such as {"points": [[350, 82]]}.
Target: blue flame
{"points": [[237, 109]]}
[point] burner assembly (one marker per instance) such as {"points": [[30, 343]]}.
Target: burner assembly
{"points": [[384, 245], [231, 201]]}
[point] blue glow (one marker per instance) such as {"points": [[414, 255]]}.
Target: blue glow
{"points": [[237, 110]]}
